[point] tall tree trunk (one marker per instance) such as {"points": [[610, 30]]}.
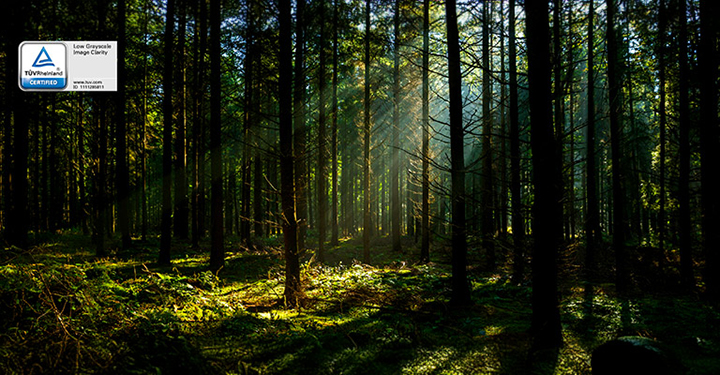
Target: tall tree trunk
{"points": [[166, 220], [197, 127], [251, 104], [425, 244], [122, 175], [100, 206], [547, 176], [394, 168], [518, 222], [292, 264], [217, 250], [299, 138], [181, 194], [257, 195], [366, 140], [685, 220], [460, 285], [618, 189], [334, 130], [709, 147], [16, 139], [321, 173], [558, 94], [662, 26], [592, 221], [486, 193]]}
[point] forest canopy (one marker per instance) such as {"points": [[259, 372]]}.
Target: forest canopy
{"points": [[382, 175]]}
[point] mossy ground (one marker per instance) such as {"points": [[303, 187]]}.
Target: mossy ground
{"points": [[64, 311]]}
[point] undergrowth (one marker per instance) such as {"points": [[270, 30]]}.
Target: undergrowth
{"points": [[64, 311]]}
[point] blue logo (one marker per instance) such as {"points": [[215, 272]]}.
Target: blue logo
{"points": [[44, 62]]}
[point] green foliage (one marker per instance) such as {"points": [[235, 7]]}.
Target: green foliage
{"points": [[69, 314]]}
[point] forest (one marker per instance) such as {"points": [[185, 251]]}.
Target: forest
{"points": [[365, 187]]}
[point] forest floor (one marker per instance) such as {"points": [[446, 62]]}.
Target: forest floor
{"points": [[65, 311]]}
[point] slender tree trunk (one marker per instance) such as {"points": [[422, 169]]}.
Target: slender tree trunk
{"points": [[217, 250], [366, 140], [663, 121], [486, 193], [198, 118], [334, 130], [16, 139], [558, 94], [709, 147], [616, 139], [181, 195], [166, 220], [425, 244], [547, 176], [299, 138], [292, 264], [122, 175], [685, 220], [460, 285], [321, 173], [394, 168], [518, 222], [592, 221], [257, 197]]}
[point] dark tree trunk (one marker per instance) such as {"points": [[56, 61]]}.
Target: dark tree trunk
{"points": [[292, 264], [257, 196], [122, 175], [166, 220], [616, 139], [460, 285], [592, 221], [709, 147], [366, 140], [425, 244], [217, 246], [685, 221], [15, 181], [334, 130], [197, 153], [547, 178], [299, 138], [662, 27], [518, 222], [487, 226], [394, 168], [181, 194], [321, 174]]}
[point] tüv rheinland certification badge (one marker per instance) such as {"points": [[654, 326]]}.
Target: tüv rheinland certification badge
{"points": [[68, 66], [43, 66]]}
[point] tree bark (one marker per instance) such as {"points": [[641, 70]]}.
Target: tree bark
{"points": [[166, 220], [709, 147], [366, 140], [217, 249], [122, 174], [547, 178], [425, 243], [394, 168], [518, 222], [685, 220], [299, 138], [487, 226], [460, 285], [618, 189], [321, 172], [292, 264], [592, 228]]}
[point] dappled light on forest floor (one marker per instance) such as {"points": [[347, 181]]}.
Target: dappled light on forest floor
{"points": [[66, 312]]}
